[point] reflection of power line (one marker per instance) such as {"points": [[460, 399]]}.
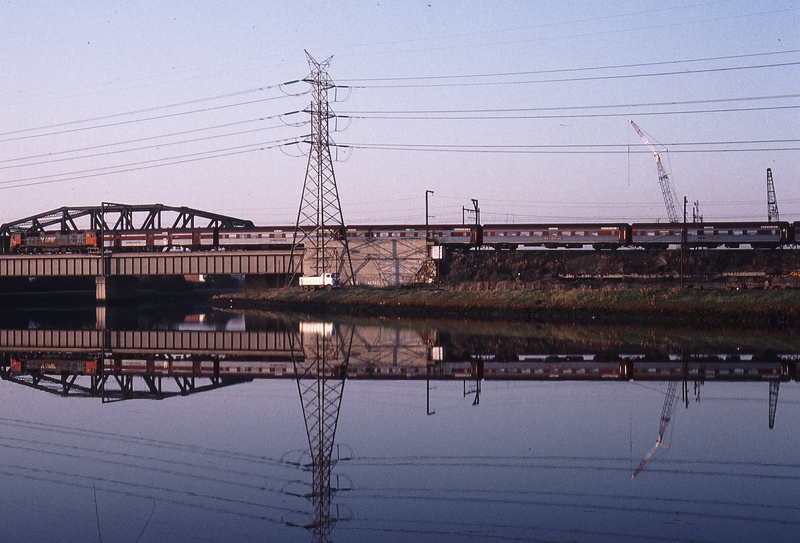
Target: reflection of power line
{"points": [[172, 447], [78, 481]]}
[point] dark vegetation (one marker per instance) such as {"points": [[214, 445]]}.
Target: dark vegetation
{"points": [[721, 288]]}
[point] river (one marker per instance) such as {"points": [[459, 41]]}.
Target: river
{"points": [[189, 424]]}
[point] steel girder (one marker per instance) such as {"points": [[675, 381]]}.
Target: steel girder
{"points": [[123, 217]]}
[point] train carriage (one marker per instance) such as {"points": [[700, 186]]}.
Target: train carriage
{"points": [[455, 236], [511, 236], [395, 231], [711, 235]]}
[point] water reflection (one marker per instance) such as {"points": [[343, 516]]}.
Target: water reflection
{"points": [[423, 474]]}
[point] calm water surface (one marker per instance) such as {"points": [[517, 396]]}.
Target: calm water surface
{"points": [[432, 454]]}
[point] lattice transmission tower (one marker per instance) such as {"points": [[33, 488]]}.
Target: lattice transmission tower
{"points": [[320, 229]]}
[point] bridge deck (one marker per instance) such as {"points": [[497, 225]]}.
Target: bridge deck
{"points": [[147, 264]]}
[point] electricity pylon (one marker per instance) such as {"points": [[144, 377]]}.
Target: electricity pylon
{"points": [[320, 229]]}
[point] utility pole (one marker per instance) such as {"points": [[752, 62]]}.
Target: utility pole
{"points": [[427, 232], [696, 216], [320, 233], [477, 211], [683, 238]]}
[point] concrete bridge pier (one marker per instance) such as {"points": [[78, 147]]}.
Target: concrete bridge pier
{"points": [[117, 288]]}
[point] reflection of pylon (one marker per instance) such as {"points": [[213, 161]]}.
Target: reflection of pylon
{"points": [[320, 224], [321, 373]]}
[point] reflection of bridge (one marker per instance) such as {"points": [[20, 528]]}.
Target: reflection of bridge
{"points": [[126, 364], [376, 353]]}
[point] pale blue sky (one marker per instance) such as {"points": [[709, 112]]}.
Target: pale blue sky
{"points": [[113, 102]]}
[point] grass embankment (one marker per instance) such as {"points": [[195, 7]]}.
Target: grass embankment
{"points": [[742, 307]]}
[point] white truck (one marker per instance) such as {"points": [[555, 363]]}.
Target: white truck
{"points": [[327, 281]]}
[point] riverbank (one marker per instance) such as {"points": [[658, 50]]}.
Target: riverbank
{"points": [[737, 308]]}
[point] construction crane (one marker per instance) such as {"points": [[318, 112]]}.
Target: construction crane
{"points": [[772, 201], [666, 416], [663, 177]]}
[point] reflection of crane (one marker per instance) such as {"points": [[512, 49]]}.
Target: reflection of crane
{"points": [[774, 387], [772, 201], [663, 178], [666, 415]]}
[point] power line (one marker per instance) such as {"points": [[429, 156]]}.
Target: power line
{"points": [[144, 165], [144, 119], [570, 108], [569, 70], [543, 149], [143, 148], [148, 110], [584, 78], [468, 115], [137, 140]]}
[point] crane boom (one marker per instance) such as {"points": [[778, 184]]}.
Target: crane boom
{"points": [[772, 201], [663, 177]]}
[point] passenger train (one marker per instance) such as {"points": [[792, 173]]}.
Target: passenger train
{"points": [[459, 237]]}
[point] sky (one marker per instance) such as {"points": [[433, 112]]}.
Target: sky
{"points": [[521, 105]]}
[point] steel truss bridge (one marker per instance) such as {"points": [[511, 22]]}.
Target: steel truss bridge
{"points": [[123, 232], [108, 266], [113, 217]]}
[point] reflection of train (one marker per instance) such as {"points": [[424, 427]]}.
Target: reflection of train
{"points": [[498, 236]]}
